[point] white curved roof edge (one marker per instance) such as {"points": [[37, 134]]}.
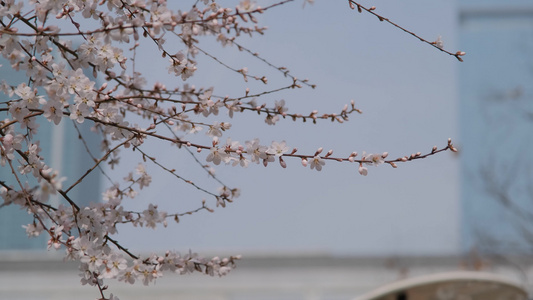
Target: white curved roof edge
{"points": [[418, 281]]}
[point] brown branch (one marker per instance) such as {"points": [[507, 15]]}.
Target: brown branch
{"points": [[371, 10], [97, 163]]}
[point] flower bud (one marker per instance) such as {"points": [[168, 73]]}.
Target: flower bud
{"points": [[363, 170], [282, 162], [304, 162]]}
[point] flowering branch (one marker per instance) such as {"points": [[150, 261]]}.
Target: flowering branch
{"points": [[94, 83], [437, 44]]}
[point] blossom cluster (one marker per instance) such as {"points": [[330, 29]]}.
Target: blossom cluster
{"points": [[93, 82]]}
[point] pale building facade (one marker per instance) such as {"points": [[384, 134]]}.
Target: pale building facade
{"points": [[496, 125]]}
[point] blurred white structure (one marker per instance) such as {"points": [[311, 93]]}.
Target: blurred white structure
{"points": [[450, 285], [290, 277]]}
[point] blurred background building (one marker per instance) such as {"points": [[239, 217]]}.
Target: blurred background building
{"points": [[66, 153], [496, 121]]}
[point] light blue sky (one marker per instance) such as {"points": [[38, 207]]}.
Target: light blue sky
{"points": [[407, 91]]}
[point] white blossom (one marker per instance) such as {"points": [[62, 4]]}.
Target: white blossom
{"points": [[317, 162], [277, 149]]}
